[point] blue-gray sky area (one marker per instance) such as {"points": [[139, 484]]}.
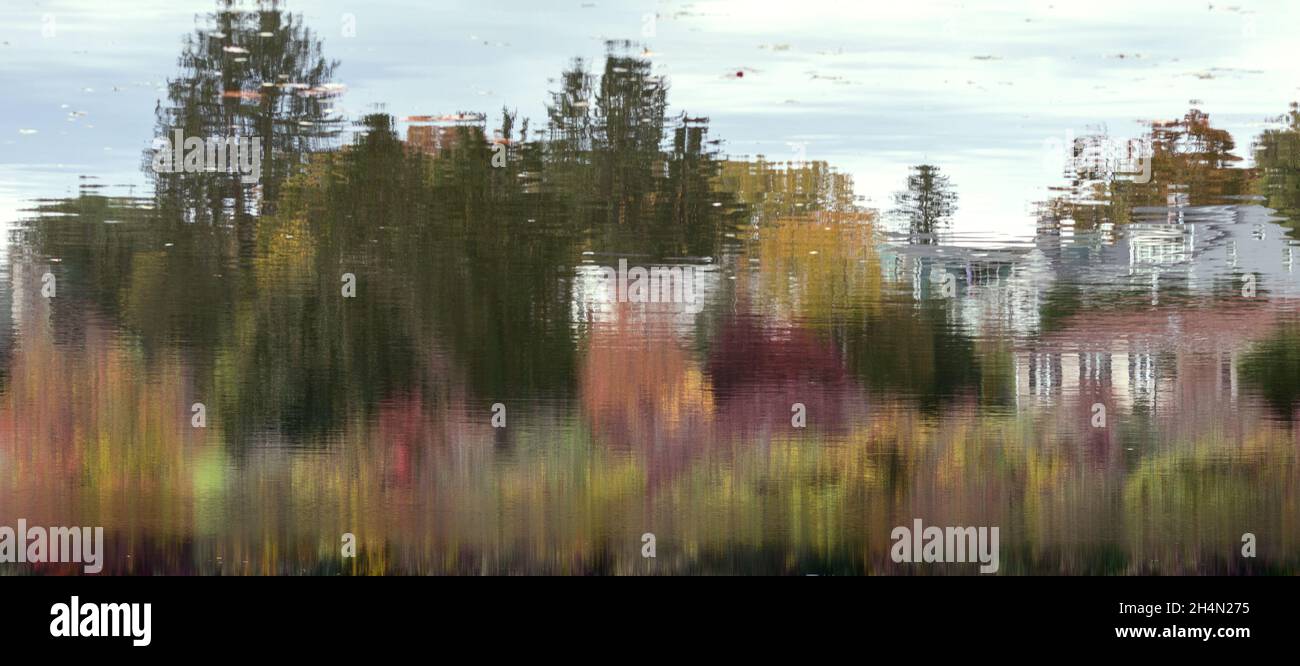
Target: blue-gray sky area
{"points": [[871, 87]]}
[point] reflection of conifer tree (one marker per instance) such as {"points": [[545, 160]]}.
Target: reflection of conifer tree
{"points": [[569, 114], [606, 158], [686, 196], [630, 107], [928, 202], [247, 74]]}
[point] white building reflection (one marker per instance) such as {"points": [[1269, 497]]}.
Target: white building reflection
{"points": [[1117, 315]]}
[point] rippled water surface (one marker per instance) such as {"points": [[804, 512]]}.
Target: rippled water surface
{"points": [[901, 291]]}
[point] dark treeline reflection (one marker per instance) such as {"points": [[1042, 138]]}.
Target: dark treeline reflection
{"points": [[937, 382], [468, 250]]}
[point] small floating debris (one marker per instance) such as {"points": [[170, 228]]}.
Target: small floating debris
{"points": [[248, 95], [324, 90], [446, 118]]}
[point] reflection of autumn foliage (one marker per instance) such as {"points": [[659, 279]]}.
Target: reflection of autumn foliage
{"points": [[1191, 156], [425, 487], [817, 266], [1191, 164], [402, 429], [642, 392], [773, 190], [370, 415], [759, 369], [89, 437]]}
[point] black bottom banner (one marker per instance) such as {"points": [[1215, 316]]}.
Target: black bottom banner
{"points": [[333, 616]]}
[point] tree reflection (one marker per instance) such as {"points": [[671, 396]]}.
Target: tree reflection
{"points": [[927, 204], [1191, 164], [1277, 155], [246, 73]]}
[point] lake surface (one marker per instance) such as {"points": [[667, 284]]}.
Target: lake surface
{"points": [[510, 290]]}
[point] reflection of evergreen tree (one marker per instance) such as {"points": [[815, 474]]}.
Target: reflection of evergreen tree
{"points": [[249, 74], [927, 204], [630, 107], [689, 189], [1277, 154], [569, 114], [606, 156]]}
